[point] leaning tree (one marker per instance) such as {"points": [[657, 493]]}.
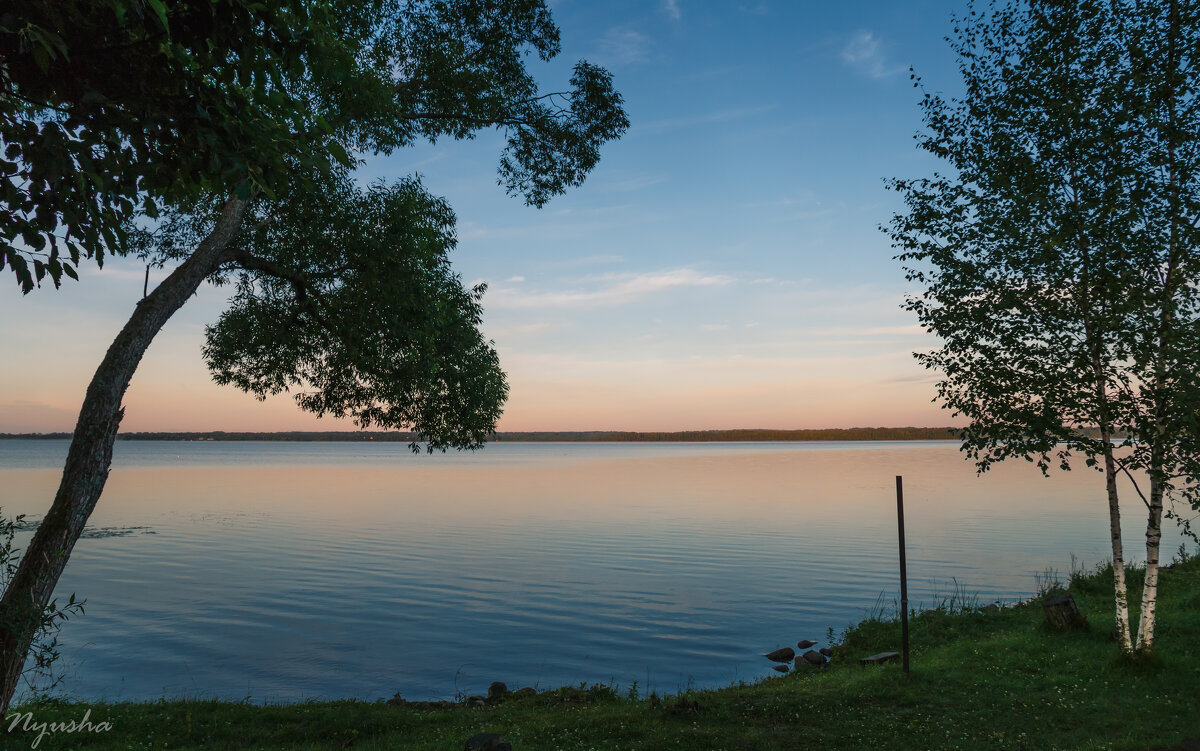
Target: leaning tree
{"points": [[219, 137], [1058, 250]]}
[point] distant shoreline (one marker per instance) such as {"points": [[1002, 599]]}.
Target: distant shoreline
{"points": [[589, 436]]}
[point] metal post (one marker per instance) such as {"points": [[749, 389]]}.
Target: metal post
{"points": [[903, 571]]}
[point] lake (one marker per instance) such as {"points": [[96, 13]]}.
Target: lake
{"points": [[290, 571]]}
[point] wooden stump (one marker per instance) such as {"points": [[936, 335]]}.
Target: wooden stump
{"points": [[1062, 614]]}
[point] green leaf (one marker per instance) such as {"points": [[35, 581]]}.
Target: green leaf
{"points": [[160, 10], [41, 58], [339, 153]]}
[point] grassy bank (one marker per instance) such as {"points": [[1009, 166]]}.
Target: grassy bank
{"points": [[981, 679]]}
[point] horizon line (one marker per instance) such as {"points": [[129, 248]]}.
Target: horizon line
{"points": [[584, 431]]}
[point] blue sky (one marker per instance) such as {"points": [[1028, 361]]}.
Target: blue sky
{"points": [[722, 267]]}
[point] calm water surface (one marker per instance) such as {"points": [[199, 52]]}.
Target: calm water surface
{"points": [[287, 571]]}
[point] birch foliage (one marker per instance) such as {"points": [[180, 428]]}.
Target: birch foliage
{"points": [[1058, 254]]}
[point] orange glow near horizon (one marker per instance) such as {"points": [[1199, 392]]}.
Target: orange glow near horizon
{"points": [[560, 406]]}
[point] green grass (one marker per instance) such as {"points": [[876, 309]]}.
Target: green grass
{"points": [[980, 680]]}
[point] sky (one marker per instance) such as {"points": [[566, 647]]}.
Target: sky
{"points": [[722, 267]]}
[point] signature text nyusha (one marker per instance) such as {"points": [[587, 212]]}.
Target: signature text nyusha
{"points": [[29, 725]]}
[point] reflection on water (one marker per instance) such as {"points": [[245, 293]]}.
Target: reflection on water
{"points": [[290, 571]]}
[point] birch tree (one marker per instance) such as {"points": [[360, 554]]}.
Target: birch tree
{"points": [[1164, 44], [217, 136], [1058, 250]]}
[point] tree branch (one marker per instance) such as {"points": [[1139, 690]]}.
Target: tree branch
{"points": [[248, 262], [1121, 467], [307, 298]]}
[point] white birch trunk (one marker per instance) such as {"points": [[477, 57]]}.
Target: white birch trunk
{"points": [[1145, 639], [1114, 523], [1167, 323]]}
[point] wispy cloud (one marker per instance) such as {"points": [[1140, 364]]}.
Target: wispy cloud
{"points": [[925, 377], [671, 7], [604, 290], [803, 208], [735, 113], [911, 330], [624, 46], [862, 52], [596, 260], [31, 417], [525, 330], [860, 366], [590, 211], [632, 184]]}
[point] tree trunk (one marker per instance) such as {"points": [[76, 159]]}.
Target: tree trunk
{"points": [[1145, 639], [1114, 526], [1167, 324], [90, 454]]}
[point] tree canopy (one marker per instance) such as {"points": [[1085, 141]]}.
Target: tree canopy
{"points": [[346, 296], [113, 110]]}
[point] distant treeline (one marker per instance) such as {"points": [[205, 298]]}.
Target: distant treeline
{"points": [[686, 436]]}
